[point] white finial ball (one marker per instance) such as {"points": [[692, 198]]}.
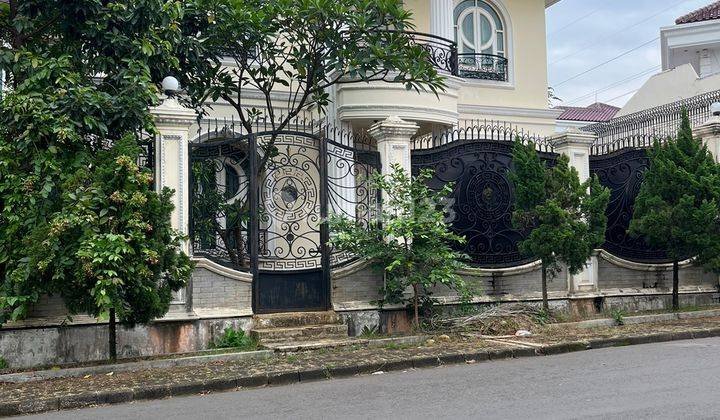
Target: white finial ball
{"points": [[170, 85], [715, 109]]}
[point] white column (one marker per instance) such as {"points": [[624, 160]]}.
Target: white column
{"points": [[394, 140], [173, 121], [576, 146], [441, 18], [710, 135]]}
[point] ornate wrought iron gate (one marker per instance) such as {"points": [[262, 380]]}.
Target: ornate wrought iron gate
{"points": [[623, 171], [480, 207], [258, 205]]}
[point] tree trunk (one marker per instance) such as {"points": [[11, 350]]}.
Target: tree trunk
{"points": [[545, 304], [415, 304], [113, 336], [676, 286]]}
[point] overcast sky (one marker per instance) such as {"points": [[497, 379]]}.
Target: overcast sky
{"points": [[583, 34]]}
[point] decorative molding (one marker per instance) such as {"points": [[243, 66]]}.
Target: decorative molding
{"points": [[631, 265], [510, 271], [222, 270], [510, 111]]}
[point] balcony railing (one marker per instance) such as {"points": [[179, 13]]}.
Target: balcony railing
{"points": [[443, 54], [483, 66]]}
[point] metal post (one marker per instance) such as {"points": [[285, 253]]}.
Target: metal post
{"points": [[324, 228], [254, 222]]}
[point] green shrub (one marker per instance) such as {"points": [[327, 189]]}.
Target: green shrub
{"points": [[619, 316], [3, 363], [231, 338]]}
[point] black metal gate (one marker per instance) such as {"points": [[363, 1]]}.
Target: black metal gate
{"points": [[258, 204]]}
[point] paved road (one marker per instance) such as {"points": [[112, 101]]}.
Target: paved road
{"points": [[670, 380]]}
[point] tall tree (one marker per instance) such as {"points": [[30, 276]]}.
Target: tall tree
{"points": [[291, 51], [677, 206], [409, 241], [275, 61], [565, 219], [82, 76]]}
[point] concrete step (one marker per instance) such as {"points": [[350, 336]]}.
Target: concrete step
{"points": [[296, 319], [325, 331], [295, 346]]}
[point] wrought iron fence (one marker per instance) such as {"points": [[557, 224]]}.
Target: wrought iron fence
{"points": [[482, 130], [642, 127], [313, 165], [226, 128]]}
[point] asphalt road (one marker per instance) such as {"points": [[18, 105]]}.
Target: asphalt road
{"points": [[670, 380]]}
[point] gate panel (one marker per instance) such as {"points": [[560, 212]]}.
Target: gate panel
{"points": [[220, 207], [481, 204], [623, 173], [291, 263]]}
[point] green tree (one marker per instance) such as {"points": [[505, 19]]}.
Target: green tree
{"points": [[409, 240], [81, 77], [565, 219], [289, 54], [677, 207], [297, 49]]}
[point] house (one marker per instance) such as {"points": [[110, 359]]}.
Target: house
{"points": [[574, 117], [690, 52]]}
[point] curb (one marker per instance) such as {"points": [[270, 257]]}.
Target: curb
{"points": [[42, 375], [334, 372]]}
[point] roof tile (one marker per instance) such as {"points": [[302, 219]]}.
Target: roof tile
{"points": [[597, 112], [709, 12]]}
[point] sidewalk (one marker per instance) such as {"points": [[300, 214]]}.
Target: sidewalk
{"points": [[224, 375]]}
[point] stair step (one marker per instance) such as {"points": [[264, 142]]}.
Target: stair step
{"points": [[295, 346], [296, 319], [300, 333]]}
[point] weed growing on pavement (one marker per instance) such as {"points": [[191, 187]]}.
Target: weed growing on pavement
{"points": [[231, 338], [370, 332], [619, 316], [3, 363]]}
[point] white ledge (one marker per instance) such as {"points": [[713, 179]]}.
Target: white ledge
{"points": [[631, 265], [510, 271], [222, 270]]}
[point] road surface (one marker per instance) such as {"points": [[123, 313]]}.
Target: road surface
{"points": [[669, 380]]}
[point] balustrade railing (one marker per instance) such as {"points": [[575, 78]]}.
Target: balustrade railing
{"points": [[443, 55]]}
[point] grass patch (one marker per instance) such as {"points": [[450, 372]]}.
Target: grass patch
{"points": [[234, 339]]}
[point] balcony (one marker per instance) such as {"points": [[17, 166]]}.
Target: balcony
{"points": [[444, 56]]}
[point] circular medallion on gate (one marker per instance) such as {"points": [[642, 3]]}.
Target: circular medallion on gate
{"points": [[490, 194], [290, 194]]}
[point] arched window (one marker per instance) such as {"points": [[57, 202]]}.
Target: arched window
{"points": [[479, 28]]}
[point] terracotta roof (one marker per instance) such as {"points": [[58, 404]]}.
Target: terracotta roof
{"points": [[597, 112], [709, 12]]}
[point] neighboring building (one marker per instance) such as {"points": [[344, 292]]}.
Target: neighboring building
{"points": [[690, 62], [574, 117]]}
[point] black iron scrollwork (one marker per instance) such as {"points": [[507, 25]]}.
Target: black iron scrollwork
{"points": [[623, 173], [482, 199]]}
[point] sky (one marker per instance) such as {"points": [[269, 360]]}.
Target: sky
{"points": [[584, 34]]}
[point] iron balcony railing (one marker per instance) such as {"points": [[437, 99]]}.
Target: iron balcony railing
{"points": [[483, 66], [443, 55]]}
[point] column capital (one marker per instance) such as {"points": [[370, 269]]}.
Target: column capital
{"points": [[710, 135], [171, 114], [573, 138], [710, 128], [393, 128]]}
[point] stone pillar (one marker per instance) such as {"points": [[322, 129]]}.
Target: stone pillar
{"points": [[394, 141], [173, 121], [710, 135], [576, 146], [441, 19]]}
